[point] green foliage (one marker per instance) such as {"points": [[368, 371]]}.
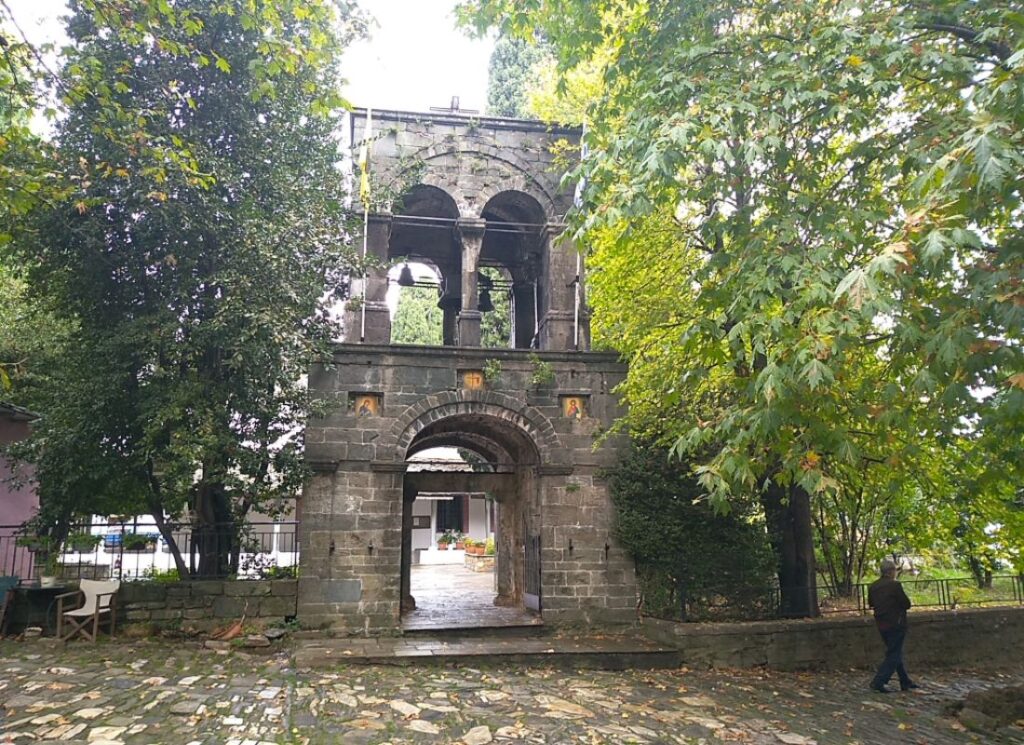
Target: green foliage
{"points": [[489, 547], [828, 196], [496, 326], [417, 318], [83, 542], [137, 541], [872, 215], [450, 537], [543, 372], [509, 74], [492, 370], [154, 574], [678, 541], [197, 253]]}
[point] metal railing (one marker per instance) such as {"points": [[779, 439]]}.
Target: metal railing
{"points": [[137, 551], [745, 602]]}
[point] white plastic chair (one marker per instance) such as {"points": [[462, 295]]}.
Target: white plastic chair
{"points": [[97, 602]]}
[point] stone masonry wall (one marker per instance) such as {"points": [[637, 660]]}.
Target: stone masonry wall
{"points": [[971, 638], [472, 159], [351, 509], [204, 603]]}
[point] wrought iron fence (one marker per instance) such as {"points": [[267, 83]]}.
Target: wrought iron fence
{"points": [[743, 602], [137, 551]]}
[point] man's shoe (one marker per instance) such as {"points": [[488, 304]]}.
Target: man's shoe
{"points": [[880, 689], [909, 686]]}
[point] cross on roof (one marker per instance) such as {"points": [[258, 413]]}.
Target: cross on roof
{"points": [[453, 108]]}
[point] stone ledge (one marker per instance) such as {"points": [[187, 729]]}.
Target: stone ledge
{"points": [[984, 636]]}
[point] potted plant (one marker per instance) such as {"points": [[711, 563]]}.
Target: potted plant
{"points": [[49, 570], [83, 543], [489, 548], [460, 542], [476, 549], [138, 542], [442, 542], [35, 543]]}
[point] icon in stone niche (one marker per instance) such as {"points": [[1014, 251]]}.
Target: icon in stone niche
{"points": [[574, 406], [366, 404], [473, 379]]}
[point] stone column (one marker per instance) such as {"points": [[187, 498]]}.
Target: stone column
{"points": [[522, 293], [408, 602], [559, 295], [378, 320], [470, 233]]}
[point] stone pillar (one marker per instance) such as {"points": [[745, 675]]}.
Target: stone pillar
{"points": [[378, 320], [559, 293], [408, 602], [522, 294], [471, 235]]}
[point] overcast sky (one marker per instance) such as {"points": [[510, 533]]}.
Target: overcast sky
{"points": [[415, 59]]}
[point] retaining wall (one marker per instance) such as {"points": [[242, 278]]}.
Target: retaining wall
{"points": [[993, 637], [206, 602]]}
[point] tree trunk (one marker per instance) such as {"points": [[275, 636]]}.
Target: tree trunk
{"points": [[213, 535], [790, 530], [172, 545]]}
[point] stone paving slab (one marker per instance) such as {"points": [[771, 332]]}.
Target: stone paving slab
{"points": [[130, 693], [450, 596], [596, 651]]}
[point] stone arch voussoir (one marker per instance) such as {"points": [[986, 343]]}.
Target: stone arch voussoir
{"points": [[520, 177], [527, 419]]}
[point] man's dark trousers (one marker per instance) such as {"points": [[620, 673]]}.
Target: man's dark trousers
{"points": [[893, 661]]}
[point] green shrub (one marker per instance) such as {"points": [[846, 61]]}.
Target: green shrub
{"points": [[161, 575], [721, 564]]}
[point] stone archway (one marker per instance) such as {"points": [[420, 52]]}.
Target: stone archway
{"points": [[511, 442]]}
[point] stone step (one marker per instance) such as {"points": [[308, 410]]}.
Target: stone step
{"points": [[525, 627], [595, 652]]}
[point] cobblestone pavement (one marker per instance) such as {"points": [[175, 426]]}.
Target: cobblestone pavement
{"points": [[449, 596], [164, 692]]}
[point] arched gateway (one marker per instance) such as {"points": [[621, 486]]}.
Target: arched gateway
{"points": [[529, 418]]}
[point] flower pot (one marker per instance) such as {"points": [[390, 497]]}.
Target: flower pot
{"points": [[460, 545], [442, 546], [47, 581], [84, 547]]}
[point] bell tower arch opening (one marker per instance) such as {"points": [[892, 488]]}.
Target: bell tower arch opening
{"points": [[471, 472]]}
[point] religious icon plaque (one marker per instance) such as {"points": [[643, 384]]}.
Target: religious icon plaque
{"points": [[473, 380], [574, 407], [364, 404]]}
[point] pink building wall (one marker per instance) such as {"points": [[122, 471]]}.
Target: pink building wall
{"points": [[17, 503]]}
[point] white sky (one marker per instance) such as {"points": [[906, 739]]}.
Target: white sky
{"points": [[415, 58]]}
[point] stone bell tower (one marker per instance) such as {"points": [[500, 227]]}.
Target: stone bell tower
{"points": [[463, 195]]}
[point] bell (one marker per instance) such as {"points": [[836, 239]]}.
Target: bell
{"points": [[485, 305], [405, 278]]}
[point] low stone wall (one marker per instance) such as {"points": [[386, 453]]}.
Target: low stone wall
{"points": [[206, 602], [993, 637], [479, 563]]}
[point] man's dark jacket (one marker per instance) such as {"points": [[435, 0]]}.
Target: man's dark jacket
{"points": [[886, 596]]}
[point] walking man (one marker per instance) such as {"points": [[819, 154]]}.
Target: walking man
{"points": [[891, 603]]}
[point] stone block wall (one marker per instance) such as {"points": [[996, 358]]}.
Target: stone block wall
{"points": [[351, 510], [990, 637], [471, 158], [206, 603]]}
